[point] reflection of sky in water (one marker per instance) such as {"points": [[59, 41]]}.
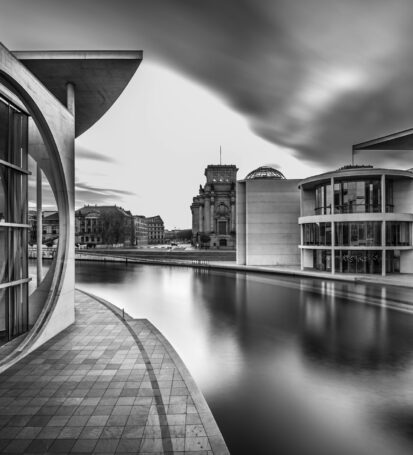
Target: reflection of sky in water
{"points": [[288, 366]]}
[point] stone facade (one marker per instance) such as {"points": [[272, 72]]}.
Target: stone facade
{"points": [[213, 210], [104, 225], [156, 230], [141, 230]]}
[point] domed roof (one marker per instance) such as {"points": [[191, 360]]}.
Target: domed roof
{"points": [[265, 172]]}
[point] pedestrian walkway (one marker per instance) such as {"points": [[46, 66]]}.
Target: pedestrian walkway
{"points": [[105, 385]]}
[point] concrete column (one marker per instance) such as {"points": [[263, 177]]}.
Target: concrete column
{"points": [[383, 248], [207, 227], [232, 217], [39, 224], [201, 225], [333, 240], [301, 242], [212, 210], [70, 98], [383, 194]]}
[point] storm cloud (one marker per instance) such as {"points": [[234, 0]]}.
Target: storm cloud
{"points": [[313, 75]]}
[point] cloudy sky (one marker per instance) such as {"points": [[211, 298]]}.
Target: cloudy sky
{"points": [[288, 83]]}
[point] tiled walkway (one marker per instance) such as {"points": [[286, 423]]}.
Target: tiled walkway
{"points": [[106, 386]]}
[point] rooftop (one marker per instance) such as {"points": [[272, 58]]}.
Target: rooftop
{"points": [[265, 172], [99, 78]]}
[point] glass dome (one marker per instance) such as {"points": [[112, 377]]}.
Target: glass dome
{"points": [[265, 172]]}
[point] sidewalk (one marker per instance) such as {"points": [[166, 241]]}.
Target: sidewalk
{"points": [[105, 385]]}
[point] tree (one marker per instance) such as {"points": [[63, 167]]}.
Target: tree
{"points": [[115, 227]]}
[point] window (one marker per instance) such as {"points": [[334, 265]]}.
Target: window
{"points": [[13, 222], [398, 233], [366, 233], [317, 234]]}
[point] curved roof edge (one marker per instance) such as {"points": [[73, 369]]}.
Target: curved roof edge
{"points": [[99, 78], [356, 172]]}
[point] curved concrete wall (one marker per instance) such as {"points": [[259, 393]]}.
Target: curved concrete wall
{"points": [[52, 146]]}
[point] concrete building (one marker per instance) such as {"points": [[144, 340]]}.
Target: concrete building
{"points": [[156, 230], [46, 100], [141, 231], [357, 219], [101, 225], [268, 207], [214, 209]]}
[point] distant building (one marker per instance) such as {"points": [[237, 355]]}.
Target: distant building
{"points": [[213, 210], [156, 230], [357, 219], [50, 227], [104, 225], [268, 207], [141, 230]]}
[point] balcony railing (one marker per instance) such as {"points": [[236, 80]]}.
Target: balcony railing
{"points": [[353, 208]]}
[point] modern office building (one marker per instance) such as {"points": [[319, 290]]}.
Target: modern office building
{"points": [[357, 219], [268, 207], [214, 209], [156, 230], [46, 100]]}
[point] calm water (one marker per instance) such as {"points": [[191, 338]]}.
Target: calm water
{"points": [[288, 366]]}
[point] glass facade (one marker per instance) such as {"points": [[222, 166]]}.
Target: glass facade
{"points": [[323, 200], [357, 196], [352, 196], [398, 233], [13, 221], [317, 234], [364, 233], [358, 261]]}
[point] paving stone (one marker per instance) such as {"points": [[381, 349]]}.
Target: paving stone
{"points": [[95, 389]]}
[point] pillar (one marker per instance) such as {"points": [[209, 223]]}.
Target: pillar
{"points": [[39, 224], [232, 216], [333, 239], [207, 225], [383, 225], [200, 214], [70, 98], [212, 210]]}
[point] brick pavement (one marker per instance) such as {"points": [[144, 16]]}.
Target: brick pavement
{"points": [[105, 386]]}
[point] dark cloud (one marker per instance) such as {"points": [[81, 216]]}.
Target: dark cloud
{"points": [[82, 187], [84, 153], [312, 75]]}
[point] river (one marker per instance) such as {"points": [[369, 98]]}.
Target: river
{"points": [[288, 366]]}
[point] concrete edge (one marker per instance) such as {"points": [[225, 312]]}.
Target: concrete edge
{"points": [[212, 430], [241, 268]]}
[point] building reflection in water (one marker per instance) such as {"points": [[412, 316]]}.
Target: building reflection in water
{"points": [[283, 362]]}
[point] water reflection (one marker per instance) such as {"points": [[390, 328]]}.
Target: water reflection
{"points": [[288, 366]]}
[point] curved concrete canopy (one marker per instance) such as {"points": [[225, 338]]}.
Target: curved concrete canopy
{"points": [[402, 140], [99, 78]]}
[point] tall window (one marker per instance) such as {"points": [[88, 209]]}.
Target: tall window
{"points": [[357, 196], [13, 221]]}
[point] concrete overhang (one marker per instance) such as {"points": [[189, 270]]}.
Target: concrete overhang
{"points": [[402, 140], [99, 78], [353, 173]]}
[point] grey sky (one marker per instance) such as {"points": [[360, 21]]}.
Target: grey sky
{"points": [[308, 77]]}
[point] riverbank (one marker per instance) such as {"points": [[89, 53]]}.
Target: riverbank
{"points": [[399, 279], [109, 383]]}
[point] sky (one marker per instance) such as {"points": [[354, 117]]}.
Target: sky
{"points": [[287, 83]]}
